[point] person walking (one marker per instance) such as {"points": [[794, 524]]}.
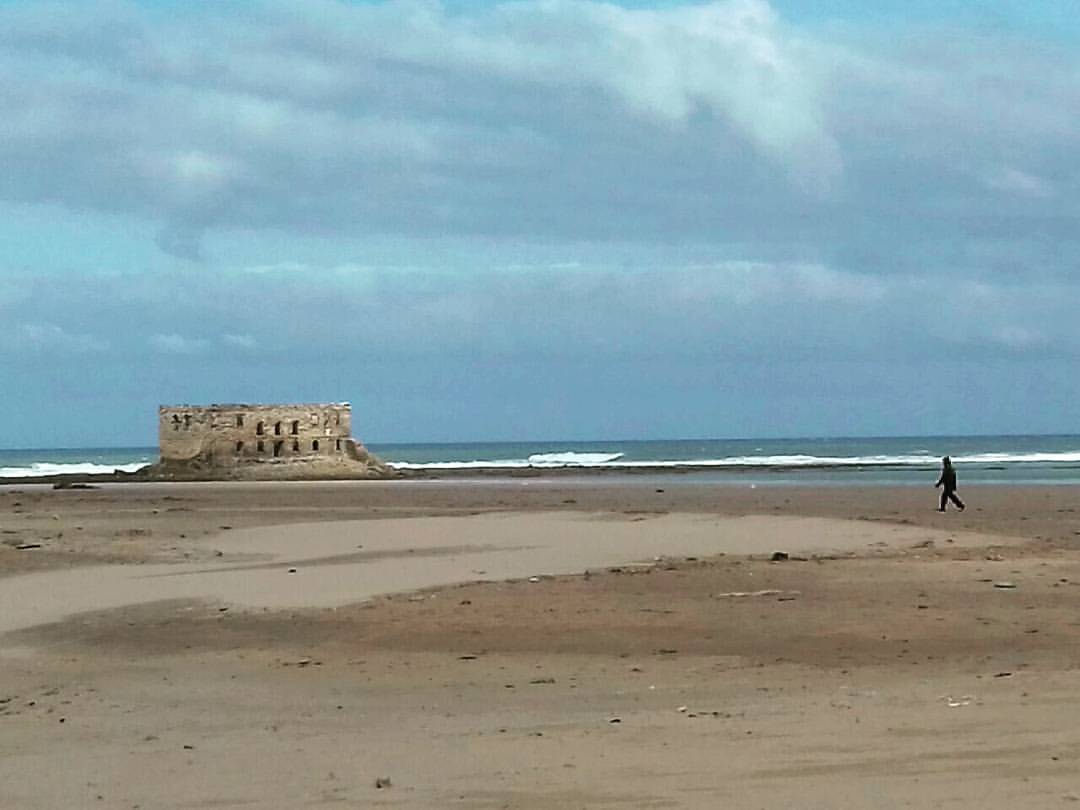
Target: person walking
{"points": [[947, 482]]}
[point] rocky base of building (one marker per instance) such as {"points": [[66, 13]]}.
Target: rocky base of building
{"points": [[358, 464]]}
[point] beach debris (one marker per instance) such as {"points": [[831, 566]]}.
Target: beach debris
{"points": [[1003, 674], [292, 570], [994, 558], [764, 592], [666, 651], [779, 556], [534, 579], [537, 681], [469, 657], [1005, 586], [302, 662], [923, 544], [614, 720], [957, 702], [682, 709], [27, 546], [382, 782]]}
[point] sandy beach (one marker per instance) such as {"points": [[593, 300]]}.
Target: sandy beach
{"points": [[540, 643]]}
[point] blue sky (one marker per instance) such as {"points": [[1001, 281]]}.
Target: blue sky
{"points": [[541, 219]]}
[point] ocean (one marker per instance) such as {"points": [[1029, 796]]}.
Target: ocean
{"points": [[839, 461]]}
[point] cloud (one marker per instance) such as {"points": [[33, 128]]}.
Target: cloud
{"points": [[719, 123], [400, 116], [178, 344], [47, 337], [240, 341], [1015, 181]]}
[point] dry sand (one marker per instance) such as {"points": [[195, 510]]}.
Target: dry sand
{"points": [[155, 651]]}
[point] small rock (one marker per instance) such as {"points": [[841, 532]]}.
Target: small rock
{"points": [[382, 782], [779, 556], [292, 570], [27, 546], [614, 720], [1005, 586], [534, 579]]}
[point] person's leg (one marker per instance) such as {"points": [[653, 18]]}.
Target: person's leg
{"points": [[944, 499], [956, 499]]}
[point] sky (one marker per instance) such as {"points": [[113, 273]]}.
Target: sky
{"points": [[544, 219]]}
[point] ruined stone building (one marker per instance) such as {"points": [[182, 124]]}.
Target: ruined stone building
{"points": [[241, 440]]}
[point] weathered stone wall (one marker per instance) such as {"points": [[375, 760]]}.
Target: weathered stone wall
{"points": [[230, 435]]}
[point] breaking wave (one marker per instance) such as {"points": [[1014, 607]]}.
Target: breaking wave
{"points": [[791, 461], [44, 468]]}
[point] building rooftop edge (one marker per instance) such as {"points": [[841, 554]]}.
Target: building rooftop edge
{"points": [[235, 405]]}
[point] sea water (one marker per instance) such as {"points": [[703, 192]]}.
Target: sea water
{"points": [[811, 461]]}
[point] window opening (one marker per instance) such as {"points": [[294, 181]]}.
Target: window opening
{"points": [[261, 447], [295, 427], [260, 429], [239, 447], [295, 446], [337, 444], [277, 428], [315, 445], [277, 448], [239, 420]]}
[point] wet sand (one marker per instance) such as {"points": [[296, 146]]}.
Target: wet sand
{"points": [[537, 644]]}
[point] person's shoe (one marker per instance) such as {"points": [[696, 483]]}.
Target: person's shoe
{"points": [[941, 510], [962, 508]]}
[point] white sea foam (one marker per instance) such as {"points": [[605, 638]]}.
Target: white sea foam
{"points": [[571, 459], [43, 468], [617, 461]]}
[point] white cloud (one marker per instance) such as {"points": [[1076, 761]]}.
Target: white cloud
{"points": [[240, 341], [48, 337], [1021, 183], [178, 344]]}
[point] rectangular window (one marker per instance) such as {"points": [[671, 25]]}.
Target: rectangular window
{"points": [[239, 420]]}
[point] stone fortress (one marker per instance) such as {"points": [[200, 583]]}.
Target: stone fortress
{"points": [[248, 441]]}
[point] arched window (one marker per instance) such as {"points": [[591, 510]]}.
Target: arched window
{"points": [[239, 447], [277, 428], [315, 445], [295, 446], [295, 427], [260, 429]]}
